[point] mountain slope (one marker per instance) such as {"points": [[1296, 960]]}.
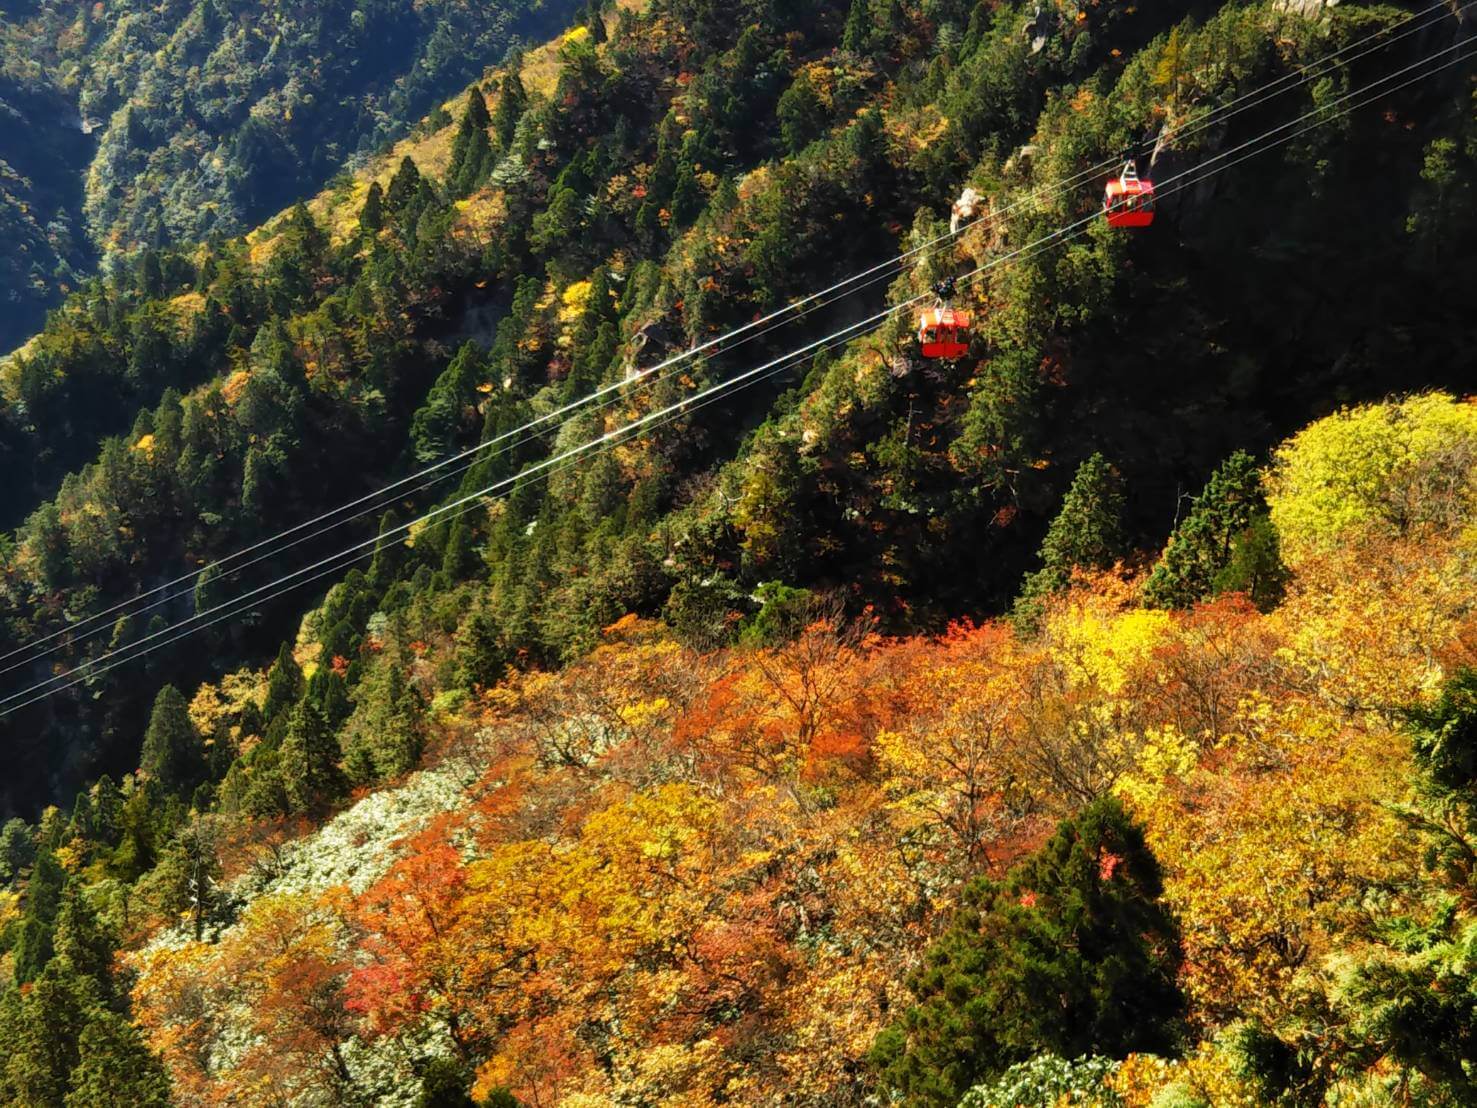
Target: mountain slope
{"points": [[653, 179], [203, 118]]}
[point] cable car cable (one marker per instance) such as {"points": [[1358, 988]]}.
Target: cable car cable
{"points": [[374, 542], [1219, 114]]}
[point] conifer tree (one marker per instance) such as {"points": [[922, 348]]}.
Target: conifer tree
{"points": [[185, 879], [403, 186], [1204, 547], [471, 150], [309, 760], [17, 848], [1086, 534], [116, 1069], [284, 684], [173, 754], [480, 658], [858, 27], [372, 215], [83, 942], [1072, 954], [512, 99], [107, 811], [42, 1031]]}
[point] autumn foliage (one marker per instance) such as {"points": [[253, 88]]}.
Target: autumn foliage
{"points": [[690, 878]]}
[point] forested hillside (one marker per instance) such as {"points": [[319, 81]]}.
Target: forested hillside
{"points": [[784, 744], [132, 124]]}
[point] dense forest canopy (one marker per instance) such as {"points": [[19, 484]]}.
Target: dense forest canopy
{"points": [[784, 748], [131, 124]]}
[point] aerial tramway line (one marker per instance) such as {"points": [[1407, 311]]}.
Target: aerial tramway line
{"points": [[949, 331]]}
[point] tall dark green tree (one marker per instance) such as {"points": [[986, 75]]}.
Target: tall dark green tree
{"points": [[42, 1032], [1087, 533], [1073, 953], [116, 1068], [284, 684], [471, 150], [173, 754], [403, 186], [310, 760], [83, 942], [480, 658], [512, 99], [1224, 541], [17, 848], [372, 215], [801, 114]]}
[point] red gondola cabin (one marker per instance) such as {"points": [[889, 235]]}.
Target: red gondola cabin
{"points": [[1129, 201], [943, 333]]}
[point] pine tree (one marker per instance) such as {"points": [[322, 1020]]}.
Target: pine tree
{"points": [[471, 150], [480, 658], [858, 30], [1072, 954], [512, 99], [284, 684], [116, 1069], [403, 186], [372, 215], [173, 754], [17, 848], [1204, 545], [309, 760], [83, 942], [1086, 534]]}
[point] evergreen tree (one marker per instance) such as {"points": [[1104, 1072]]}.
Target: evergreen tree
{"points": [[116, 1069], [173, 754], [284, 684], [32, 950], [17, 848], [328, 693], [460, 561], [107, 811], [471, 150], [1086, 534], [480, 658], [372, 215], [403, 186], [389, 553], [1205, 543], [151, 275], [309, 760], [858, 27], [444, 1085], [135, 852], [450, 408], [185, 879], [1072, 953], [42, 1032], [802, 115], [207, 592], [386, 735], [512, 99], [82, 942]]}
